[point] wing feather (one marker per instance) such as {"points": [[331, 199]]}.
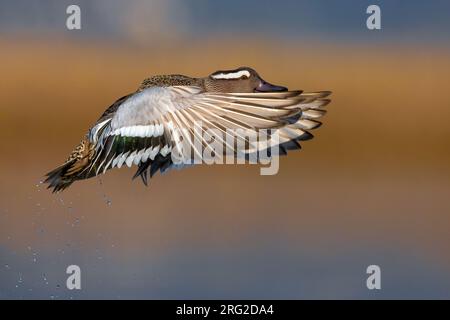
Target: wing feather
{"points": [[143, 126]]}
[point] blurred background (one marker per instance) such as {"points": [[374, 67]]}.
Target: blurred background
{"points": [[373, 186]]}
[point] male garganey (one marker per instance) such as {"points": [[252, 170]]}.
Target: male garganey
{"points": [[139, 127]]}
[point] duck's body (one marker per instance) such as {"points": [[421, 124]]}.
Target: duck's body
{"points": [[143, 128]]}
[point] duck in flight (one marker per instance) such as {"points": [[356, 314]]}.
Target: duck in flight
{"points": [[139, 128]]}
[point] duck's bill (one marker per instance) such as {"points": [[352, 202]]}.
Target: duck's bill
{"points": [[268, 87]]}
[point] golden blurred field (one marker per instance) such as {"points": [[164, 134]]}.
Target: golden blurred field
{"points": [[376, 174]]}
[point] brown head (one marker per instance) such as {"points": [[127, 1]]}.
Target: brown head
{"points": [[240, 80]]}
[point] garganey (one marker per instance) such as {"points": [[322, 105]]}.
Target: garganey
{"points": [[140, 127]]}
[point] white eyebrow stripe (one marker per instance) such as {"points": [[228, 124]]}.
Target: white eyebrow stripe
{"points": [[233, 75]]}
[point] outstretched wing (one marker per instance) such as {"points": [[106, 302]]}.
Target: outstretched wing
{"points": [[147, 127]]}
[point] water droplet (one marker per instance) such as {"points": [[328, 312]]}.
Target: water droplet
{"points": [[104, 196], [38, 185]]}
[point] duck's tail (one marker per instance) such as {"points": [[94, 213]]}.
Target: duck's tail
{"points": [[75, 168]]}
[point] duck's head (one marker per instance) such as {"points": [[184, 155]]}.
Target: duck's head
{"points": [[240, 80]]}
